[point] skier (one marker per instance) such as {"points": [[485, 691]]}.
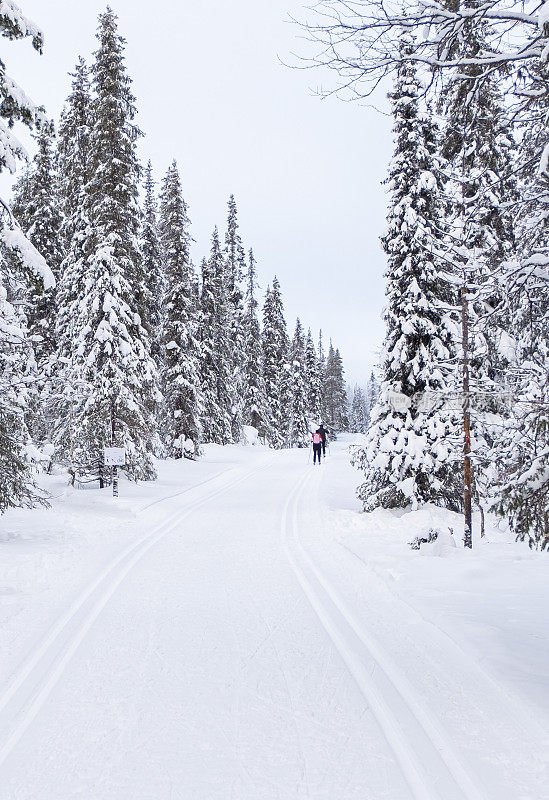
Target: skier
{"points": [[317, 447], [322, 433]]}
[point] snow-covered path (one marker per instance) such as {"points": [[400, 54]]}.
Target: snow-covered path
{"points": [[233, 649]]}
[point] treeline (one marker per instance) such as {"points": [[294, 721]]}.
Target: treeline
{"points": [[134, 346], [463, 411]]}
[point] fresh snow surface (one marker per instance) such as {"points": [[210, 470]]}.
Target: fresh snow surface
{"points": [[238, 630]]}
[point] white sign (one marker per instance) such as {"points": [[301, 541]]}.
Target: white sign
{"points": [[115, 456]]}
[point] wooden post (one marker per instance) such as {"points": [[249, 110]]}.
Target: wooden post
{"points": [[467, 467]]}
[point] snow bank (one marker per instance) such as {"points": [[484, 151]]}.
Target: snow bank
{"points": [[487, 599]]}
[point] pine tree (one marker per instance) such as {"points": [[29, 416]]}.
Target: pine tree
{"points": [[408, 454], [215, 360], [110, 366], [478, 149], [17, 370], [151, 251], [313, 381], [255, 410], [358, 422], [521, 450], [335, 394], [298, 427], [275, 365], [180, 377], [67, 388], [235, 267], [16, 105], [74, 163], [37, 209], [18, 259], [372, 393], [321, 375]]}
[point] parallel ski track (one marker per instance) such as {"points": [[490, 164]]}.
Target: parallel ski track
{"points": [[427, 759], [31, 685]]}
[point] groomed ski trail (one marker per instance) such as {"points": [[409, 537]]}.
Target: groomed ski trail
{"points": [[428, 761], [30, 687], [249, 656]]}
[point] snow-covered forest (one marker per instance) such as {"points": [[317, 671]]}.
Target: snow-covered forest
{"points": [[111, 336], [194, 603], [462, 418]]}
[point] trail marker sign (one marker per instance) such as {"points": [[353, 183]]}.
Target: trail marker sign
{"points": [[115, 456]]}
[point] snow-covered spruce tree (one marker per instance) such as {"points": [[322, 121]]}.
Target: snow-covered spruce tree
{"points": [[37, 210], [523, 490], [17, 369], [255, 410], [372, 393], [298, 425], [215, 346], [522, 449], [321, 374], [335, 393], [235, 268], [276, 369], [313, 381], [408, 454], [151, 251], [36, 207], [358, 422], [73, 161], [478, 150], [180, 373], [110, 366], [18, 259], [67, 388]]}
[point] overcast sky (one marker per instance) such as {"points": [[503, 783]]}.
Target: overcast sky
{"points": [[212, 93]]}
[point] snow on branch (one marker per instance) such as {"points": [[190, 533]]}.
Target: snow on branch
{"points": [[16, 26], [14, 239]]}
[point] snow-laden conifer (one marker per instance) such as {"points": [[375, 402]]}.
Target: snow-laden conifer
{"points": [[276, 368], [321, 373], [372, 392], [478, 149], [408, 456], [18, 259], [313, 381], [180, 373], [215, 345], [110, 370], [521, 450], [17, 371], [235, 267], [335, 393], [151, 251], [67, 386], [255, 409], [298, 423], [36, 207], [358, 419]]}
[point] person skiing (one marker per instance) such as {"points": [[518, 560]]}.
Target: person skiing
{"points": [[322, 433], [317, 447]]}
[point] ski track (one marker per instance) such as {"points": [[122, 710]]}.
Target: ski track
{"points": [[33, 682], [426, 758]]}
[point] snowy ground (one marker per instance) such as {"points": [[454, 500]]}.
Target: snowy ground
{"points": [[238, 630]]}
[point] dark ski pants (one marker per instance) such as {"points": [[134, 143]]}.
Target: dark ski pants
{"points": [[317, 450]]}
